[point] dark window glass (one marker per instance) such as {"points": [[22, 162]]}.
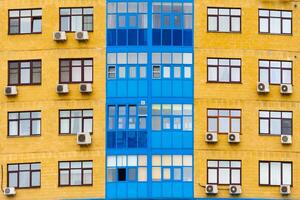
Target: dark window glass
{"points": [[75, 173], [76, 70], [25, 21], [122, 174], [76, 19], [24, 72], [24, 175]]}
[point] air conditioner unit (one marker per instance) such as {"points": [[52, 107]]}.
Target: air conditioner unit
{"points": [[211, 189], [233, 137], [211, 137], [286, 139], [10, 90], [85, 87], [81, 35], [9, 191], [59, 36], [286, 89], [263, 87], [84, 138], [285, 189], [62, 88], [235, 189]]}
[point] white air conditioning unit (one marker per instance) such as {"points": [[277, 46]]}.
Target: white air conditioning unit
{"points": [[85, 87], [81, 35], [59, 36], [286, 89], [286, 139], [233, 137], [211, 137], [10, 90], [285, 189], [235, 189], [9, 191], [62, 88], [263, 87], [84, 138], [211, 189]]}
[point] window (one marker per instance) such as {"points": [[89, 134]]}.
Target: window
{"points": [[24, 72], [25, 21], [275, 173], [129, 168], [126, 65], [223, 172], [224, 20], [172, 117], [76, 19], [172, 65], [172, 168], [275, 72], [224, 121], [127, 23], [127, 126], [224, 70], [75, 121], [275, 123], [76, 70], [75, 173], [24, 123], [275, 22], [24, 175], [172, 23]]}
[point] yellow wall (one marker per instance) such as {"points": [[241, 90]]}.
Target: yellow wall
{"points": [[49, 148], [250, 47]]}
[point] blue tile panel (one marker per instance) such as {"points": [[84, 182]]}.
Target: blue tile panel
{"points": [[149, 99]]}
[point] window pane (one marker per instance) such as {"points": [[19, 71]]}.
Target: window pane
{"points": [[77, 23], [212, 74], [111, 175], [224, 74], [224, 125], [224, 24], [275, 76], [35, 179], [65, 23], [87, 177], [287, 76], [156, 123], [88, 126], [264, 126], [275, 25], [156, 173], [25, 76], [263, 25], [212, 23], [142, 174], [24, 179], [13, 128], [64, 126], [235, 125], [286, 26], [275, 173], [75, 177], [64, 177], [235, 75], [235, 24], [212, 124], [286, 174], [25, 127], [235, 177], [187, 174], [212, 176], [224, 176], [13, 179], [275, 125], [36, 127], [264, 75], [25, 25], [88, 74], [76, 125]]}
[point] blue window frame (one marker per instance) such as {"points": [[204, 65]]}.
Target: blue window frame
{"points": [[127, 23], [172, 117], [172, 65], [172, 23], [172, 168], [127, 126], [126, 168], [126, 66]]}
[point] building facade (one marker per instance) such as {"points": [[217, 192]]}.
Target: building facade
{"points": [[182, 99]]}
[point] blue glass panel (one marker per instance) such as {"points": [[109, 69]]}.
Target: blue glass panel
{"points": [[188, 88], [188, 189], [121, 139], [188, 140], [166, 139], [143, 37], [132, 37], [156, 37], [132, 190], [122, 88], [177, 189], [177, 37], [111, 140], [177, 140], [156, 139], [132, 88], [156, 189], [156, 88], [166, 37], [111, 90], [167, 189], [166, 85], [122, 37], [187, 37], [132, 139], [142, 190], [121, 190], [111, 190], [142, 139], [111, 37], [142, 88]]}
